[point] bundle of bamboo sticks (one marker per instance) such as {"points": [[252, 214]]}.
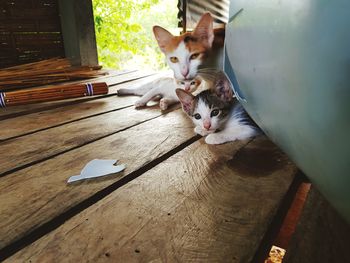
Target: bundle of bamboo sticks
{"points": [[51, 93], [44, 72]]}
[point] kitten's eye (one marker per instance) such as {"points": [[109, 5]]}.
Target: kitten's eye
{"points": [[193, 83], [214, 113], [174, 59], [194, 56], [197, 116], [182, 82]]}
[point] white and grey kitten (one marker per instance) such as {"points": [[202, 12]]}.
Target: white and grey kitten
{"points": [[163, 88], [217, 114]]}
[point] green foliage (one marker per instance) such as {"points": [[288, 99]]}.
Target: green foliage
{"points": [[124, 31]]}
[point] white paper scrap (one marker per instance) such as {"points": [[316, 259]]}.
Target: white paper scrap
{"points": [[97, 168]]}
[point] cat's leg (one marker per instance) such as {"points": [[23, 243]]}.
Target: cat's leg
{"points": [[146, 98], [165, 102], [138, 91], [240, 132]]}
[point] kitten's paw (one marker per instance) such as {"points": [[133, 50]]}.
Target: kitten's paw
{"points": [[139, 103], [214, 139], [163, 104], [200, 131]]}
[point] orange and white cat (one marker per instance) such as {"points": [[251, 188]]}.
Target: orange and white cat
{"points": [[184, 54]]}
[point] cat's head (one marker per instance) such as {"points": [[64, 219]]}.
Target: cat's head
{"points": [[186, 52], [209, 109], [190, 85]]}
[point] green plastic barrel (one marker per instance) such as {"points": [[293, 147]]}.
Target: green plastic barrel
{"points": [[289, 62]]}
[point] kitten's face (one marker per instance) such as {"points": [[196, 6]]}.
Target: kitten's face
{"points": [[209, 113], [209, 109], [188, 85], [186, 52]]}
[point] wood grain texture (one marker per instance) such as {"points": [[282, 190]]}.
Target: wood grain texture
{"points": [[19, 152], [32, 196], [112, 80], [29, 123], [204, 204], [322, 236]]}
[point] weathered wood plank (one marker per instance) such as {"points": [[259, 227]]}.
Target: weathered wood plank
{"points": [[22, 151], [30, 123], [204, 204], [35, 195], [322, 236], [112, 81]]}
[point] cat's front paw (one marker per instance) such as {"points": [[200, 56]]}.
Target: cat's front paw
{"points": [[214, 139], [139, 104], [163, 104], [199, 131]]}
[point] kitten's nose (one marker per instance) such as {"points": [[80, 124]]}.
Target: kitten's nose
{"points": [[207, 125]]}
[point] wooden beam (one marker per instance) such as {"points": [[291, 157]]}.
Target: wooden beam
{"points": [[78, 29]]}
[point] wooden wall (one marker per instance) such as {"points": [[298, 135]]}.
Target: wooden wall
{"points": [[30, 30]]}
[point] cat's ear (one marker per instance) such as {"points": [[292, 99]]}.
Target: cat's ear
{"points": [[204, 30], [162, 36], [186, 99], [223, 88]]}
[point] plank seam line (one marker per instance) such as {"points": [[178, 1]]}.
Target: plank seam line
{"points": [[117, 74], [21, 167], [82, 100], [63, 123], [59, 220], [278, 218]]}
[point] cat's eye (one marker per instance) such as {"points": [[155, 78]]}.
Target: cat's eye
{"points": [[214, 113], [197, 116], [182, 82], [194, 56], [174, 59], [193, 83]]}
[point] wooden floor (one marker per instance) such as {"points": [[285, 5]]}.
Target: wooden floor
{"points": [[179, 199]]}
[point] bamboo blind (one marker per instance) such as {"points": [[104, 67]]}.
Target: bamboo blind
{"points": [[30, 31], [190, 12]]}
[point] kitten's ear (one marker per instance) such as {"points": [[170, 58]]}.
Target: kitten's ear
{"points": [[223, 88], [162, 36], [204, 30], [186, 99]]}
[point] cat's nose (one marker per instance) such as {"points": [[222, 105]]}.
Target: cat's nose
{"points": [[184, 72], [207, 125]]}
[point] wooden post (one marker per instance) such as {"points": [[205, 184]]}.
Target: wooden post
{"points": [[78, 31]]}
